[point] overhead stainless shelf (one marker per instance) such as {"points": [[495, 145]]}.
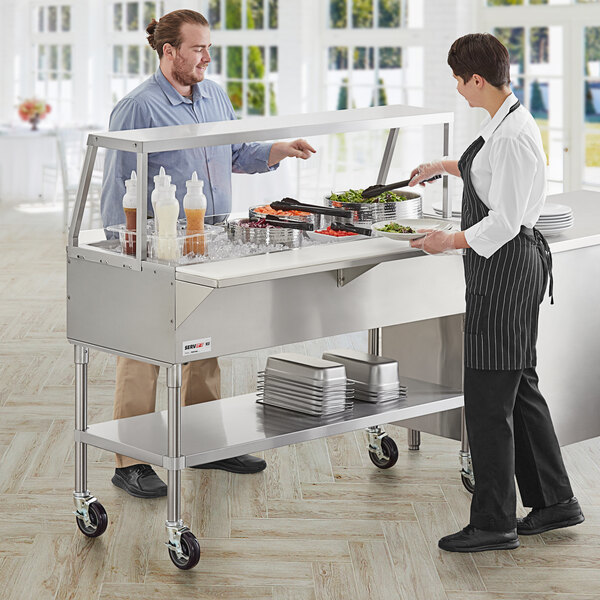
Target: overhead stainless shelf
{"points": [[181, 137]]}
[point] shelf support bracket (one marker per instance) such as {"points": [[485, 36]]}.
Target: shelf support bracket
{"points": [[345, 276]]}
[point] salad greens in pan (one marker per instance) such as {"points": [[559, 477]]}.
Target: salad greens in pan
{"points": [[356, 196]]}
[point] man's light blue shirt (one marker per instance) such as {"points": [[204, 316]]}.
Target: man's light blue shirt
{"points": [[156, 103]]}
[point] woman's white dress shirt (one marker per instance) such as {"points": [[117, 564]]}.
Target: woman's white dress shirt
{"points": [[509, 176]]}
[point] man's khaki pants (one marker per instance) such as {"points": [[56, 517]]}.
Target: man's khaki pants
{"points": [[135, 392]]}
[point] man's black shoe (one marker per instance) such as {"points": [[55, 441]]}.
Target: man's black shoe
{"points": [[563, 514], [140, 481], [471, 539], [240, 464]]}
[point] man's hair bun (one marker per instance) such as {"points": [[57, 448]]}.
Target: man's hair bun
{"points": [[150, 31]]}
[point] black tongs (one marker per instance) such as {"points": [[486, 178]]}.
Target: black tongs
{"points": [[351, 228], [291, 204], [379, 188], [283, 222]]}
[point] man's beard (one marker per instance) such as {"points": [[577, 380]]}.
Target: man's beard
{"points": [[183, 76]]}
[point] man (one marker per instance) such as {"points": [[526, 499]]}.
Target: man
{"points": [[178, 94], [507, 266]]}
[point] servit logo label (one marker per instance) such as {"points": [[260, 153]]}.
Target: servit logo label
{"points": [[196, 346]]}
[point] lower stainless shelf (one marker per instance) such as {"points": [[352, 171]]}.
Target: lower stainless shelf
{"points": [[233, 426]]}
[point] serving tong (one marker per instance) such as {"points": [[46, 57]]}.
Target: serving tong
{"points": [[283, 222], [291, 204], [351, 228], [379, 188]]}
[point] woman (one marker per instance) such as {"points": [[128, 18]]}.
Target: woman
{"points": [[507, 266]]}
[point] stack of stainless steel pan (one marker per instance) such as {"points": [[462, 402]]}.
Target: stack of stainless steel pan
{"points": [[304, 384], [375, 377]]}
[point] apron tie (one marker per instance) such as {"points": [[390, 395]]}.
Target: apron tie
{"points": [[542, 244]]}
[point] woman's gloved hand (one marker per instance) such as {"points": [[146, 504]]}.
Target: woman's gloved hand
{"points": [[437, 242], [426, 171]]}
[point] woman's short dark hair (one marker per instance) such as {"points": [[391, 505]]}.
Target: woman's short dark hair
{"points": [[168, 29], [481, 54]]}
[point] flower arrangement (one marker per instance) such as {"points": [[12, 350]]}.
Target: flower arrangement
{"points": [[33, 110]]}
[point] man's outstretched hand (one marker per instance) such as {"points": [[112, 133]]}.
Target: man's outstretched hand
{"points": [[296, 149]]}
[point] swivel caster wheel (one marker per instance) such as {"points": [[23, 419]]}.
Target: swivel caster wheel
{"points": [[469, 482], [390, 454], [189, 555], [98, 520]]}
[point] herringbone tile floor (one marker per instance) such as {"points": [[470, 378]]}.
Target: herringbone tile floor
{"points": [[321, 523]]}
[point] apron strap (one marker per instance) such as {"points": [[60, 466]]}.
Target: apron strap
{"points": [[547, 256]]}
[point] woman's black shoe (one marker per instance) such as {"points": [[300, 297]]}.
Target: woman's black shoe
{"points": [[563, 514], [140, 481], [471, 539], [244, 464]]}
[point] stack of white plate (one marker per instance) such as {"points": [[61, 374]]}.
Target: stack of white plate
{"points": [[555, 218], [304, 384], [375, 377]]}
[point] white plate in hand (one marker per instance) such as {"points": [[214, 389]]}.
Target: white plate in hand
{"points": [[415, 224]]}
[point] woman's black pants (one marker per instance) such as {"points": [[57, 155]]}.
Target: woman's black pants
{"points": [[511, 433]]}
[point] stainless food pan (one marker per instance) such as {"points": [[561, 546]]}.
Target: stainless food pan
{"points": [[307, 367], [303, 383], [304, 408], [257, 215], [376, 389], [315, 404], [369, 369], [371, 212], [263, 236], [316, 396]]}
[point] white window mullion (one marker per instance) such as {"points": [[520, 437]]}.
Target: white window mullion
{"points": [[574, 146]]}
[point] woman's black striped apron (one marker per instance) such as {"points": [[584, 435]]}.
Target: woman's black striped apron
{"points": [[503, 292]]}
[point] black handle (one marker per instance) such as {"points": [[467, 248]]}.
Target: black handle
{"points": [[351, 228], [375, 190], [280, 222]]}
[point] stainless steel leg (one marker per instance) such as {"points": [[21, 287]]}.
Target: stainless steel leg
{"points": [[90, 514], [183, 557], [81, 364], [414, 439], [376, 432], [466, 465], [375, 341], [464, 438], [174, 443]]}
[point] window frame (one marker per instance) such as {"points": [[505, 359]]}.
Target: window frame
{"points": [[573, 18]]}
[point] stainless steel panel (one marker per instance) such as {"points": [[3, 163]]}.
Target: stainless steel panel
{"points": [[390, 293], [234, 426], [431, 350], [122, 310], [569, 345]]}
